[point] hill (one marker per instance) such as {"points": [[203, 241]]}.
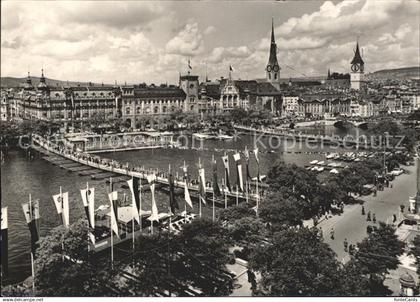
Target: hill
{"points": [[9, 82], [405, 73]]}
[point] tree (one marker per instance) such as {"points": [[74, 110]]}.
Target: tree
{"points": [[64, 266], [296, 262], [415, 251], [233, 213], [377, 254], [291, 180], [196, 258], [280, 211]]}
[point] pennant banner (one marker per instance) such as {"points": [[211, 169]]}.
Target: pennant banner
{"points": [[246, 155], [172, 200], [239, 180], [133, 184], [155, 214], [4, 242], [88, 198], [202, 185], [216, 189], [66, 210], [187, 196], [226, 164], [31, 211], [114, 219]]}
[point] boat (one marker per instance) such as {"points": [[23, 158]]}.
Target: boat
{"points": [[224, 137], [314, 162], [203, 136], [331, 156]]}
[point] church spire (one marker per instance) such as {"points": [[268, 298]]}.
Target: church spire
{"points": [[357, 59], [273, 47]]}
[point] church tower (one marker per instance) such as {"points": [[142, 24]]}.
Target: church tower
{"points": [[357, 70], [273, 68]]}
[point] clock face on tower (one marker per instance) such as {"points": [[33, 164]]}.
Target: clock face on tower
{"points": [[355, 67], [268, 68], [276, 68]]}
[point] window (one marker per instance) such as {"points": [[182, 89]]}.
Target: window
{"points": [[156, 110], [138, 110], [127, 110], [269, 76], [275, 76]]}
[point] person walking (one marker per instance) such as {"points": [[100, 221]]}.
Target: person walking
{"points": [[346, 245], [363, 210], [332, 233]]}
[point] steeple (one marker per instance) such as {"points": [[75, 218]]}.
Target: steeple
{"points": [[357, 59], [28, 83], [329, 74], [273, 48], [42, 84], [273, 68]]}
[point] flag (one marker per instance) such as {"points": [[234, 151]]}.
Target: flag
{"points": [[4, 242], [258, 162], [246, 155], [133, 184], [154, 216], [226, 164], [91, 207], [189, 65], [216, 189], [88, 198], [187, 196], [66, 210], [239, 180], [31, 211], [114, 219], [185, 170], [231, 68], [202, 185], [172, 201], [256, 155], [62, 204]]}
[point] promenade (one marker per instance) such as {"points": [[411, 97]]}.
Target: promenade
{"points": [[352, 224]]}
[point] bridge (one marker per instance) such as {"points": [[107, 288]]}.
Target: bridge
{"points": [[117, 168], [346, 123], [361, 143]]}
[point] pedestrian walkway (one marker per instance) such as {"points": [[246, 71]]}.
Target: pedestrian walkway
{"points": [[352, 224]]}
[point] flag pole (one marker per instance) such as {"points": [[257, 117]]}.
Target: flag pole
{"points": [[110, 223], [88, 238], [132, 218], [141, 221], [214, 187], [224, 192], [199, 189], [237, 196], [32, 253]]}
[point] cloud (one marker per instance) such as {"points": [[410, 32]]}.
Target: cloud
{"points": [[209, 30], [220, 53], [188, 42]]}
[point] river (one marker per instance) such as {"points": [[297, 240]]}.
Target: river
{"points": [[21, 176]]}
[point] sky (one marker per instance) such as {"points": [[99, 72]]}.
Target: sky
{"points": [[142, 41]]}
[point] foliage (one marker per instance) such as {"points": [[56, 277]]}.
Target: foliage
{"points": [[280, 211], [415, 251], [195, 258], [379, 252], [233, 213], [72, 275], [296, 262]]}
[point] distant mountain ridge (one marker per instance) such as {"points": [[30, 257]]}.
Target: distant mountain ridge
{"points": [[404, 73], [9, 82]]}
